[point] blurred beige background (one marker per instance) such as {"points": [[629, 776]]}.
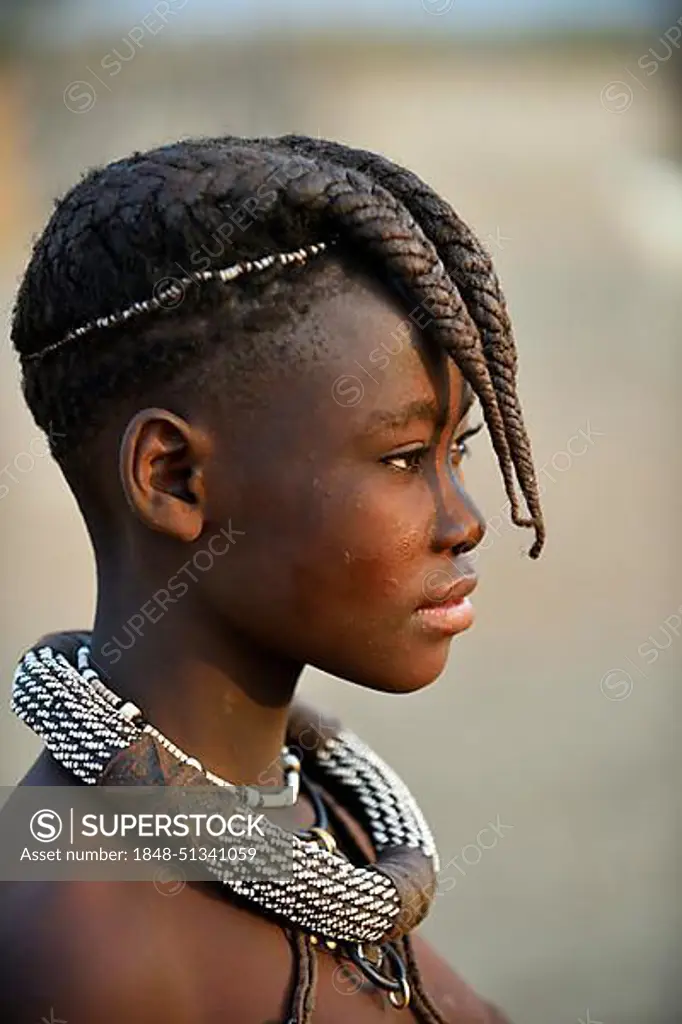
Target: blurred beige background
{"points": [[548, 721]]}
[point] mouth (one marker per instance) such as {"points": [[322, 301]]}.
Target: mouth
{"points": [[448, 609]]}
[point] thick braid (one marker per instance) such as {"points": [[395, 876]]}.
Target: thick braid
{"points": [[411, 257], [474, 268], [471, 268]]}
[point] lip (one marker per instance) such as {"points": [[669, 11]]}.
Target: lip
{"points": [[448, 610], [449, 592]]}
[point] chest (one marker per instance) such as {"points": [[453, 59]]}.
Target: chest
{"points": [[230, 965]]}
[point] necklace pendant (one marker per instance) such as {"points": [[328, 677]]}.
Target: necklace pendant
{"points": [[394, 982]]}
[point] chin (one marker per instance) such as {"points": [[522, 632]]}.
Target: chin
{"points": [[405, 675]]}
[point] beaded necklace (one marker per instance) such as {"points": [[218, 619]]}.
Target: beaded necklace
{"points": [[95, 735]]}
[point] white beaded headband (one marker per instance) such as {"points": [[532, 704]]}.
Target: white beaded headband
{"points": [[169, 292]]}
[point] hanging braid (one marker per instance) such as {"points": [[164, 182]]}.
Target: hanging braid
{"points": [[420, 1000], [305, 977], [126, 227], [471, 268]]}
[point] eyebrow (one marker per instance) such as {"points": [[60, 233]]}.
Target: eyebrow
{"points": [[422, 409]]}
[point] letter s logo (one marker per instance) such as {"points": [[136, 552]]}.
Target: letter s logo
{"points": [[45, 826]]}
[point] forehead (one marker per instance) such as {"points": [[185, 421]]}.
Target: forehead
{"points": [[375, 365], [354, 366]]}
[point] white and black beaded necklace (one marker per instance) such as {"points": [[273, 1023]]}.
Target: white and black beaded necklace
{"points": [[85, 725]]}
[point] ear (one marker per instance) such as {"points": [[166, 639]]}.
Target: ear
{"points": [[162, 463]]}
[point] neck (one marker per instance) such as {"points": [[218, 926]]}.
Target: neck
{"points": [[214, 693]]}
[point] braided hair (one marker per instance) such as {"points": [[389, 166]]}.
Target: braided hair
{"points": [[108, 310], [125, 229]]}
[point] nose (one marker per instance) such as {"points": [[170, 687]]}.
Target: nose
{"points": [[460, 527]]}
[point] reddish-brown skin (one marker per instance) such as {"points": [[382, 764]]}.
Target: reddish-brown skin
{"points": [[338, 538]]}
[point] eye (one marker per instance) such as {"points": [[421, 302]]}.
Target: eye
{"points": [[460, 449], [411, 461]]}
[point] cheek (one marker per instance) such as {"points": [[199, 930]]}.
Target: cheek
{"points": [[326, 547], [361, 551]]}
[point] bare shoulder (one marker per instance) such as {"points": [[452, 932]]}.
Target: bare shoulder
{"points": [[134, 951], [62, 943], [66, 948]]}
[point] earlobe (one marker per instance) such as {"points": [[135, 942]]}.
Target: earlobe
{"points": [[161, 467]]}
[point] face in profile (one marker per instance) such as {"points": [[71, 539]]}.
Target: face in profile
{"points": [[347, 484]]}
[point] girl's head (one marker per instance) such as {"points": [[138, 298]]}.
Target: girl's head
{"points": [[311, 409]]}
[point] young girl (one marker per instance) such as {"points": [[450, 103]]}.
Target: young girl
{"points": [[255, 360]]}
